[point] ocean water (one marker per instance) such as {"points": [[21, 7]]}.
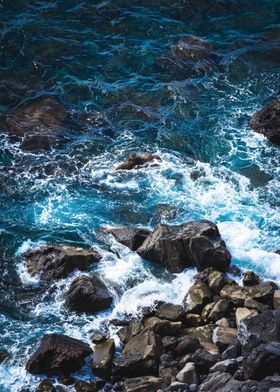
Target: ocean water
{"points": [[100, 59]]}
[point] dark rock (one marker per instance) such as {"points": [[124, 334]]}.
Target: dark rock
{"points": [[166, 359], [119, 323], [243, 313], [99, 337], [216, 280], [203, 333], [216, 382], [252, 304], [88, 294], [188, 344], [67, 380], [3, 356], [262, 292], [219, 310], [163, 327], [132, 237], [227, 366], [82, 386], [198, 296], [170, 312], [267, 121], [127, 332], [45, 386], [144, 384], [58, 354], [141, 355], [177, 386], [233, 351], [193, 320], [224, 337], [204, 360], [170, 342], [58, 261], [135, 161], [234, 270], [195, 243], [250, 278], [103, 357]]}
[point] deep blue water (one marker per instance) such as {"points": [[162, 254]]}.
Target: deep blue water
{"points": [[101, 59]]}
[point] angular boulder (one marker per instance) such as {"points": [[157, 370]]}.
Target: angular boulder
{"points": [[198, 296], [58, 355], [132, 237], [103, 357], [58, 261], [193, 244], [262, 361], [171, 312], [88, 294]]}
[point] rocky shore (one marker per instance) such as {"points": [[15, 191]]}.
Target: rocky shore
{"points": [[224, 337]]}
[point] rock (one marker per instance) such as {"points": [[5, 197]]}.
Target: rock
{"points": [[187, 344], [132, 237], [193, 320], [223, 337], [103, 357], [163, 327], [242, 313], [262, 361], [141, 355], [88, 294], [170, 342], [45, 386], [227, 366], [185, 359], [215, 382], [250, 278], [143, 384], [177, 386], [223, 322], [170, 312], [82, 386], [252, 304], [219, 310], [99, 337], [211, 347], [276, 300], [188, 374], [3, 356], [67, 380], [197, 244], [58, 261], [267, 121], [127, 332], [203, 333], [216, 281], [198, 296], [261, 292], [136, 161], [204, 360], [58, 355], [233, 351]]}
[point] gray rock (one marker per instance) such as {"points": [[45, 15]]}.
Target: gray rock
{"points": [[243, 313], [250, 278], [227, 366], [276, 300], [203, 333], [127, 332], [170, 312], [143, 384], [252, 304], [132, 237], [163, 327], [188, 374], [204, 360], [216, 281], [188, 344], [223, 337]]}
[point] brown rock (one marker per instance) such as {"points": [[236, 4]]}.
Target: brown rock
{"points": [[136, 161], [198, 296], [103, 357], [223, 337]]}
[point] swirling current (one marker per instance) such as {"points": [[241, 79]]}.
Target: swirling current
{"points": [[100, 59]]}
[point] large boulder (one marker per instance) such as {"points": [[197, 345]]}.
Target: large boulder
{"points": [[103, 357], [132, 237], [58, 355], [140, 355], [58, 261], [267, 121], [261, 292], [197, 297], [193, 244], [136, 161], [88, 294]]}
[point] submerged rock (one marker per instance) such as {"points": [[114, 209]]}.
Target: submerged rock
{"points": [[132, 237], [58, 355], [58, 261], [267, 121], [88, 294], [135, 161]]}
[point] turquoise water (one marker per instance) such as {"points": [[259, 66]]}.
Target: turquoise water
{"points": [[101, 59]]}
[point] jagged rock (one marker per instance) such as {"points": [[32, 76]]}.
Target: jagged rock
{"points": [[163, 327], [203, 333], [233, 351], [243, 313], [267, 121], [88, 294], [193, 320], [188, 374], [198, 296], [141, 355], [223, 337], [227, 366], [170, 342], [216, 281], [136, 161], [219, 310], [67, 380], [142, 384], [127, 332], [195, 243], [237, 294], [45, 386], [276, 300], [103, 357], [177, 386], [132, 237], [262, 361], [215, 382], [250, 278], [58, 354], [170, 312], [187, 344], [204, 360], [211, 347], [99, 337], [58, 261], [252, 304]]}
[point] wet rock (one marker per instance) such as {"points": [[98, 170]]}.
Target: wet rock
{"points": [[203, 333], [193, 320], [136, 161], [262, 361], [252, 304], [262, 292], [216, 281], [242, 313], [250, 278], [227, 366], [276, 300], [267, 121], [170, 312], [3, 356], [99, 337], [223, 337], [146, 383], [198, 296], [88, 294], [195, 243], [187, 344], [219, 310], [58, 261], [141, 355], [103, 357], [58, 354], [188, 374], [132, 237], [45, 386], [204, 360], [127, 332], [163, 327], [83, 386]]}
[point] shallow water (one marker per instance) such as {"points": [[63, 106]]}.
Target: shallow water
{"points": [[100, 58]]}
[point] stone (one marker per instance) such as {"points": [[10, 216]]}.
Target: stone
{"points": [[198, 296], [250, 278], [276, 300], [233, 351], [140, 356], [163, 327], [187, 344], [170, 342], [215, 382], [142, 384], [203, 334], [3, 356], [211, 347], [242, 313], [193, 244], [103, 355], [267, 121], [170, 312], [136, 161], [83, 386], [227, 366], [262, 361], [223, 337], [132, 237], [188, 374], [252, 304], [219, 310], [58, 355], [88, 294], [193, 320], [204, 360], [261, 292], [67, 380], [223, 322], [45, 386], [99, 337], [127, 332], [58, 261], [177, 386], [216, 281]]}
